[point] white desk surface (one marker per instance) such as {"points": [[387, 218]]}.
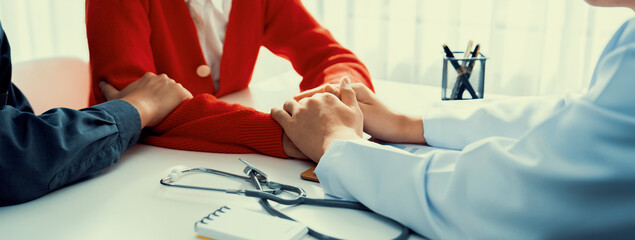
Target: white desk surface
{"points": [[126, 200]]}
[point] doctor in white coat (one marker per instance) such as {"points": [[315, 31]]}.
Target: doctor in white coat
{"points": [[529, 168]]}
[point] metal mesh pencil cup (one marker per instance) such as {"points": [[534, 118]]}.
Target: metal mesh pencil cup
{"points": [[453, 80]]}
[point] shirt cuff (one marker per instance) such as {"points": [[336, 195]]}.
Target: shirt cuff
{"points": [[326, 171], [127, 120], [436, 131], [337, 162], [444, 122]]}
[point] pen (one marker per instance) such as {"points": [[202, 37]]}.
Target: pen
{"points": [[467, 53], [457, 67], [475, 53], [448, 53], [468, 70], [458, 85], [461, 75]]}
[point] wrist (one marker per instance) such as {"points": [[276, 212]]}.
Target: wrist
{"points": [[142, 109], [339, 134], [290, 149], [410, 129]]}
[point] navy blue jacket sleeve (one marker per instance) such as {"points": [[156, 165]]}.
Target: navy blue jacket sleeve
{"points": [[39, 154]]}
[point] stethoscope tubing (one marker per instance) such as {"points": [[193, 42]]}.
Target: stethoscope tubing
{"points": [[304, 200], [266, 195]]}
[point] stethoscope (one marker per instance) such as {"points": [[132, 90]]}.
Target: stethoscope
{"points": [[258, 179]]}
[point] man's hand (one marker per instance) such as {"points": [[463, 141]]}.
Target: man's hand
{"points": [[154, 96], [314, 122]]}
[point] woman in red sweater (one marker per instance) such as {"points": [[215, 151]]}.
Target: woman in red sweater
{"points": [[210, 47]]}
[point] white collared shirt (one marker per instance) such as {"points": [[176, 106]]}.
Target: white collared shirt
{"points": [[210, 18]]}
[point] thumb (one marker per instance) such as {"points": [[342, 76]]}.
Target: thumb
{"points": [[347, 94], [281, 116], [109, 91]]}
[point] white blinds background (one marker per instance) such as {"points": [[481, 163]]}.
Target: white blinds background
{"points": [[44, 28], [535, 47]]}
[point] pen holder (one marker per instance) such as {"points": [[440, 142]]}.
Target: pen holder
{"points": [[463, 78]]}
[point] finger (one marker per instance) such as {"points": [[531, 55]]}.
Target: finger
{"points": [[332, 90], [188, 94], [305, 100], [291, 106], [282, 117], [361, 89], [309, 93], [149, 74], [108, 90], [347, 94]]}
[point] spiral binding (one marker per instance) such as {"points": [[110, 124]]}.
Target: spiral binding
{"points": [[209, 216]]}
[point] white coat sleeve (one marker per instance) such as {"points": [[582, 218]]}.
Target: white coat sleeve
{"points": [[454, 124], [569, 176]]}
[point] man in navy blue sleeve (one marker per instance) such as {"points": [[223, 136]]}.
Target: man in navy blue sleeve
{"points": [[39, 154]]}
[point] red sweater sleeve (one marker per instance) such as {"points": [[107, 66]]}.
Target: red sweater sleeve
{"points": [[291, 32], [119, 36], [119, 43], [207, 124]]}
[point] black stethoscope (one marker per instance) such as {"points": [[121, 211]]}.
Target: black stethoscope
{"points": [[258, 179]]}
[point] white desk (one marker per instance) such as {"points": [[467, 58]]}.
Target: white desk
{"points": [[126, 200]]}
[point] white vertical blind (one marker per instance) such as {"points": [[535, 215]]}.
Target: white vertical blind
{"points": [[534, 47], [44, 28]]}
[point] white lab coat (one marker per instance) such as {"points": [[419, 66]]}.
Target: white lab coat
{"points": [[527, 168]]}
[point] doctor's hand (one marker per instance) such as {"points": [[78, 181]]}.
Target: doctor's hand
{"points": [[380, 121], [383, 123], [154, 96], [314, 122]]}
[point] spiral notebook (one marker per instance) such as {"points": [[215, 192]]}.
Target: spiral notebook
{"points": [[237, 224]]}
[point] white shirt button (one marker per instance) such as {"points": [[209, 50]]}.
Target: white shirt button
{"points": [[203, 71]]}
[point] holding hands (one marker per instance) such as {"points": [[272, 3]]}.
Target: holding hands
{"points": [[313, 122], [154, 96], [319, 117]]}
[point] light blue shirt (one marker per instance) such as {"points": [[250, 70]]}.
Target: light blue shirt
{"points": [[523, 168]]}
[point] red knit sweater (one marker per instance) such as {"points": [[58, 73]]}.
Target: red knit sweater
{"points": [[127, 38]]}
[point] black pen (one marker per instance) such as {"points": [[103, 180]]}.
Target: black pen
{"points": [[457, 67], [475, 53], [461, 75], [448, 53], [468, 71], [456, 91]]}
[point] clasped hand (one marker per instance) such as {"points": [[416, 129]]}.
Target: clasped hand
{"points": [[318, 116], [312, 123]]}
